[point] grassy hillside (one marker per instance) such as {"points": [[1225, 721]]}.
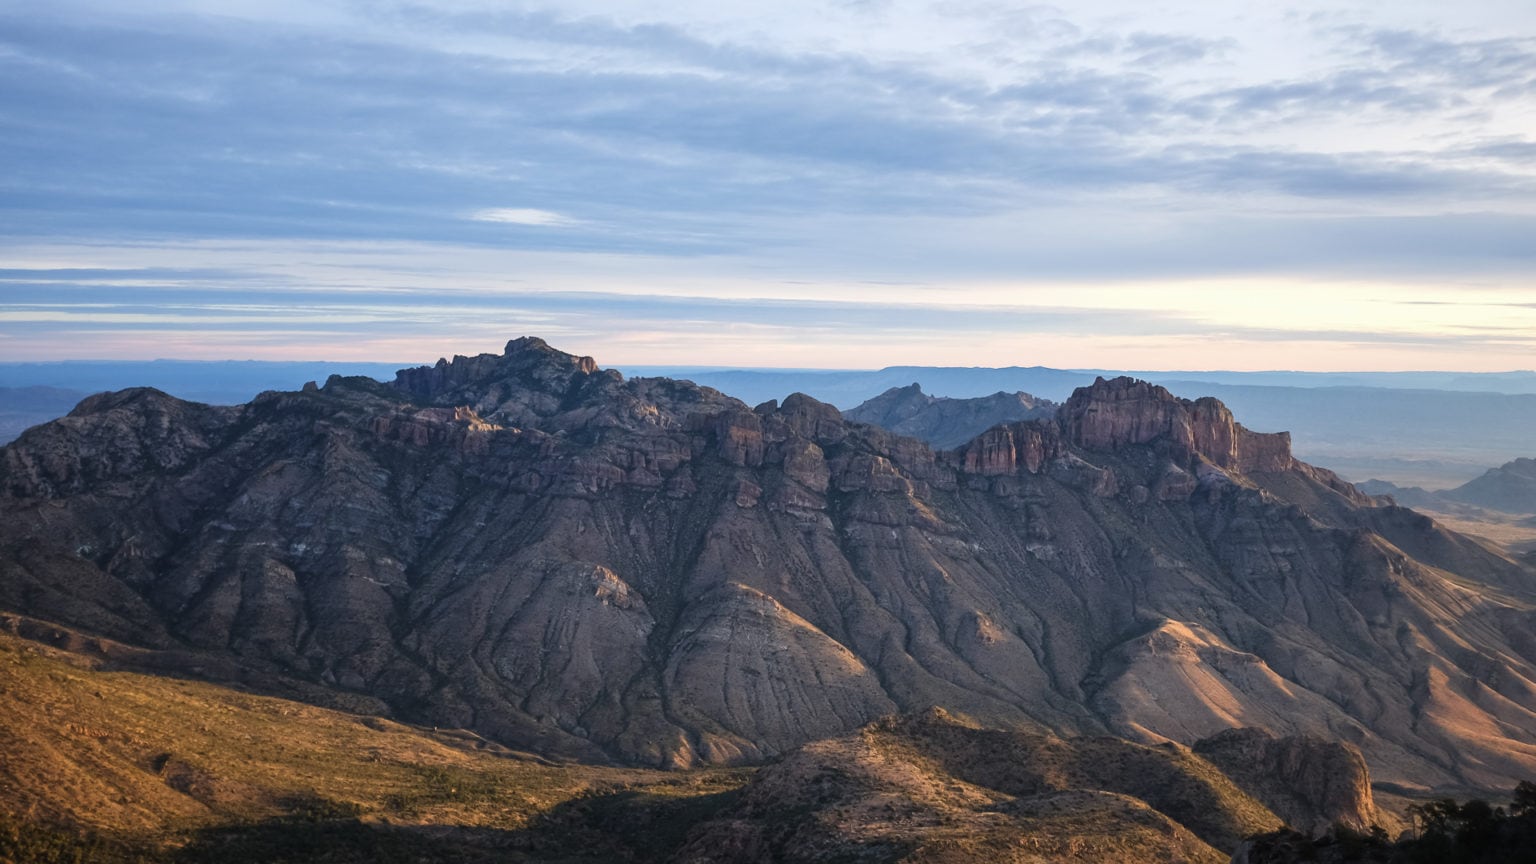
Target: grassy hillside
{"points": [[115, 767], [104, 766]]}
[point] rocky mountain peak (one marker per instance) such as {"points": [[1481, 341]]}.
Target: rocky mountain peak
{"points": [[893, 407], [1111, 414], [534, 349], [528, 380]]}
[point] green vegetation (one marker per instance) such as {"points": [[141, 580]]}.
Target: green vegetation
{"points": [[1474, 832], [1444, 832]]}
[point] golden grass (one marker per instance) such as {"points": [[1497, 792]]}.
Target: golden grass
{"points": [[157, 758]]}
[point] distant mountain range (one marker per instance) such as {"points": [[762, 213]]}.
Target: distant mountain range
{"points": [[1509, 488], [24, 407], [220, 382], [1430, 429], [651, 572], [848, 387]]}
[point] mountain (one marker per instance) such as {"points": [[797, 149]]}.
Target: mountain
{"points": [[943, 422], [1511, 487], [648, 571], [1434, 429], [1497, 506], [1409, 496]]}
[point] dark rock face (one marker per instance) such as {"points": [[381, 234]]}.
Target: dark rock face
{"points": [[1311, 783], [649, 571], [943, 422]]}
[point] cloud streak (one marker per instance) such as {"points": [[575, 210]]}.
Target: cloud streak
{"points": [[524, 216], [949, 144]]}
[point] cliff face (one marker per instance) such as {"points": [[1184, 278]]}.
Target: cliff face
{"points": [[1114, 414], [645, 570]]}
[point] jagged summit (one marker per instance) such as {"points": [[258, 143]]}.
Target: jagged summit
{"points": [[649, 571], [543, 376]]}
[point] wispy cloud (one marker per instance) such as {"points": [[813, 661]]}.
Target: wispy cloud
{"points": [[524, 216], [949, 143]]}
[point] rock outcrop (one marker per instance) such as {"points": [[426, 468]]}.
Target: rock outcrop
{"points": [[1124, 411], [649, 571], [1311, 783]]}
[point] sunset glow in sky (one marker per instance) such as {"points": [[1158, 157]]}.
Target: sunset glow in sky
{"points": [[798, 184]]}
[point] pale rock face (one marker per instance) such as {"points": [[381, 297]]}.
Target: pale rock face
{"points": [[647, 571]]}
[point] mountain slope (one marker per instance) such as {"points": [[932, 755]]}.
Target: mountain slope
{"points": [[648, 571], [1511, 487]]}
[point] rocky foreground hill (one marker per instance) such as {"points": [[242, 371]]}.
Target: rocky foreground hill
{"points": [[115, 767], [650, 572]]}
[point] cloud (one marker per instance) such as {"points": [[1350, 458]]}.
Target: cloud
{"points": [[944, 144], [524, 216]]}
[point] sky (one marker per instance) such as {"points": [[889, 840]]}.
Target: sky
{"points": [[837, 184]]}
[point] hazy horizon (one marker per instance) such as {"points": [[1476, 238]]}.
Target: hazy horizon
{"points": [[717, 367]]}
